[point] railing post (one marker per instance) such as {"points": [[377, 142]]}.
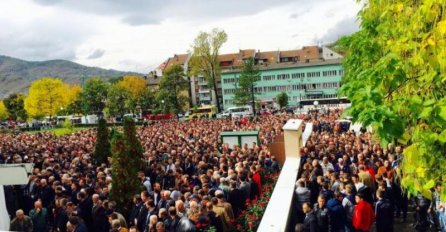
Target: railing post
{"points": [[277, 214]]}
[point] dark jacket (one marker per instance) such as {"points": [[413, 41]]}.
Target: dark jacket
{"points": [[236, 200], [384, 215], [61, 219], [81, 228], [26, 225], [142, 216], [134, 214], [322, 218], [84, 212], [337, 215], [171, 224], [100, 220], [310, 223]]}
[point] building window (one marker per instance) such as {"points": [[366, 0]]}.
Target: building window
{"points": [[341, 72], [269, 78], [283, 76], [297, 75], [313, 74]]}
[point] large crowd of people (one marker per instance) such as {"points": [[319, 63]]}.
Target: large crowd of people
{"points": [[192, 182], [348, 182]]}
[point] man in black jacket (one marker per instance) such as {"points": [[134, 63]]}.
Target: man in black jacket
{"points": [[310, 223], [100, 221], [135, 210], [84, 209], [322, 214], [235, 198], [172, 221], [383, 213]]}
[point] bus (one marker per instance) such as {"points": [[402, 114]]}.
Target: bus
{"points": [[240, 111], [203, 112]]}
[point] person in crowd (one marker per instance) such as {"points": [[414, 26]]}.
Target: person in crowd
{"points": [[21, 222], [116, 226], [363, 214], [322, 214], [39, 216], [348, 202], [310, 221], [438, 206], [337, 213], [75, 224], [383, 213]]}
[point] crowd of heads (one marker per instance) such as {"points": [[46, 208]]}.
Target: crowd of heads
{"points": [[191, 179], [341, 168]]}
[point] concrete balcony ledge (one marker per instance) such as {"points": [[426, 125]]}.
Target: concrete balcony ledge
{"points": [[279, 211], [276, 216]]}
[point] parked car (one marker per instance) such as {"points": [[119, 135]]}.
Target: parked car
{"points": [[135, 117], [224, 114]]}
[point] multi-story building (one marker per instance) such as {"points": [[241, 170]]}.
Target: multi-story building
{"points": [[306, 75]]}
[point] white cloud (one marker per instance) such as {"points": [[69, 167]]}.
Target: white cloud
{"points": [[137, 35]]}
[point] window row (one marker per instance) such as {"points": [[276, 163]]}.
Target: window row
{"points": [[280, 88], [283, 76], [329, 73], [287, 76]]}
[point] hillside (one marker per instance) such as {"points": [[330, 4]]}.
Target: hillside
{"points": [[16, 75]]}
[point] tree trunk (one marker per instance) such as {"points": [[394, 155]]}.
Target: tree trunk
{"points": [[214, 79]]}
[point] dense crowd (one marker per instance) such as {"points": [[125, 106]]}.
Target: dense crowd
{"points": [[348, 182], [192, 181]]}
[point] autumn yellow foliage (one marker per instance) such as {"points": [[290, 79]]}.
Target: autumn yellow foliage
{"points": [[3, 111], [134, 85], [47, 96]]}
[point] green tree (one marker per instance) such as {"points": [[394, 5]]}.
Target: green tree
{"points": [[15, 105], [173, 89], [204, 60], [94, 95], [102, 148], [148, 99], [249, 75], [395, 72], [127, 160], [116, 100], [282, 99]]}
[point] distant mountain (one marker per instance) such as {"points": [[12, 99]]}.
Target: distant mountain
{"points": [[17, 75]]}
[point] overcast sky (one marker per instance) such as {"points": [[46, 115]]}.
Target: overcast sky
{"points": [[137, 35]]}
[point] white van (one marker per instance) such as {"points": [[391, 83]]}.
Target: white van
{"points": [[240, 111]]}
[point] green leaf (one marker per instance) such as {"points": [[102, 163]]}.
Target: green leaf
{"points": [[430, 184], [442, 112], [442, 137]]}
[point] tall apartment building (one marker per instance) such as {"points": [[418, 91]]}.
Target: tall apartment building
{"points": [[306, 75]]}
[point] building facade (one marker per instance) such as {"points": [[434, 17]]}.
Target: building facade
{"points": [[304, 83], [306, 75]]}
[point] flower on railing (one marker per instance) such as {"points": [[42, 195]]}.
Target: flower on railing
{"points": [[249, 219]]}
